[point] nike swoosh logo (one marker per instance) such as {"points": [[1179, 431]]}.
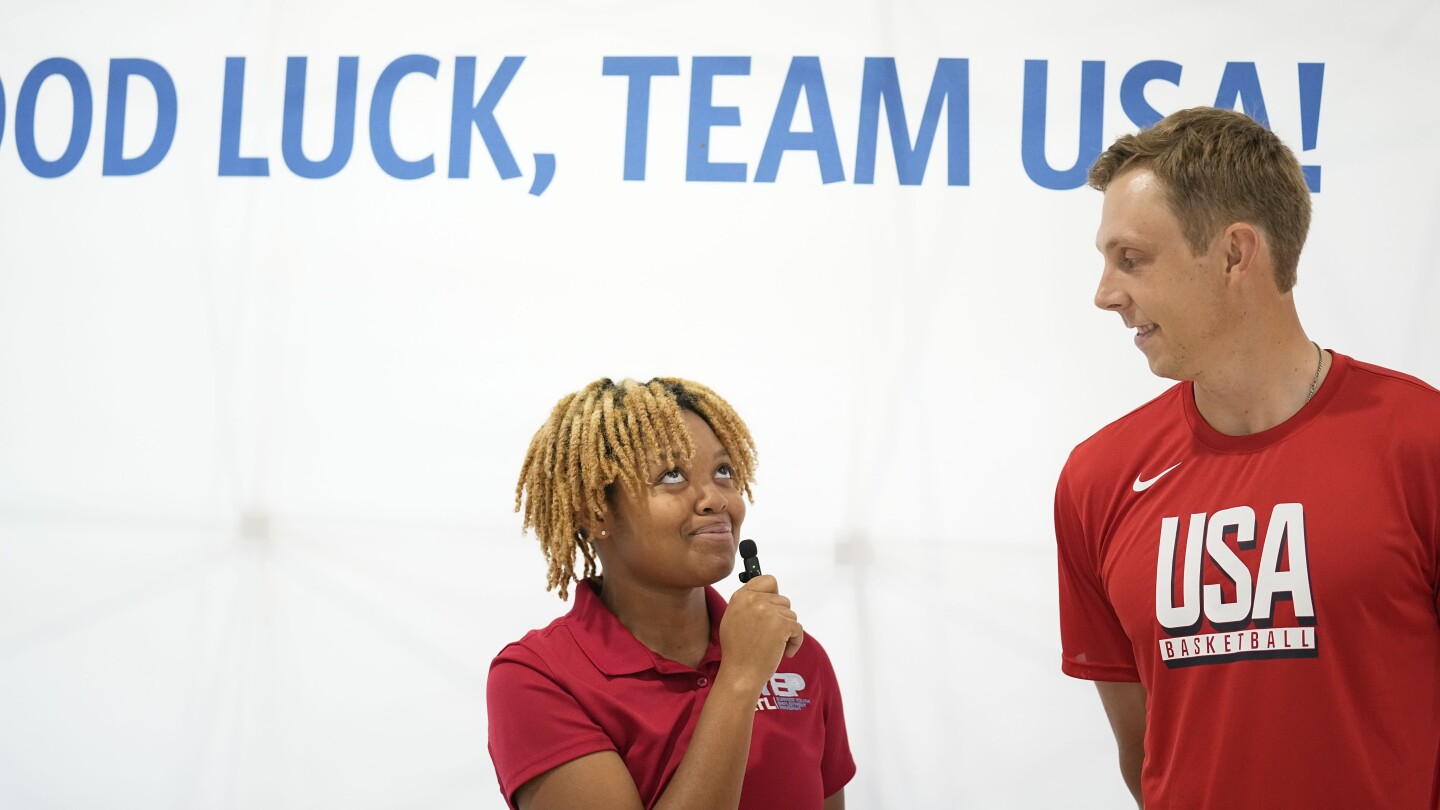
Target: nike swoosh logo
{"points": [[1141, 486]]}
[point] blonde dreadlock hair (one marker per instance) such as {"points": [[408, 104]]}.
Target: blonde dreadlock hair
{"points": [[608, 432]]}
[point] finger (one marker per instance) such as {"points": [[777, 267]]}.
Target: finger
{"points": [[763, 583], [788, 613], [792, 645]]}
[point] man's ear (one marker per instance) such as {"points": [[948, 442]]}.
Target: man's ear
{"points": [[1242, 244]]}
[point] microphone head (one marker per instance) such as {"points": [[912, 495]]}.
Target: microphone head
{"points": [[747, 548]]}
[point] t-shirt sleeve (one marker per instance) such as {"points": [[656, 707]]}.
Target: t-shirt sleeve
{"points": [[1434, 502], [837, 766], [1094, 644], [535, 724]]}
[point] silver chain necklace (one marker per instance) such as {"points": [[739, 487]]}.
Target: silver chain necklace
{"points": [[1319, 361]]}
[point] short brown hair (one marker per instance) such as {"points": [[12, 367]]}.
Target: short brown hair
{"points": [[1219, 167], [606, 433]]}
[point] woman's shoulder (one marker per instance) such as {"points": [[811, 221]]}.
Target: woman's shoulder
{"points": [[541, 642], [809, 668], [585, 640]]}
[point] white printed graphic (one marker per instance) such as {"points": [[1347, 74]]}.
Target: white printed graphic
{"points": [[1240, 626], [1141, 486], [782, 692], [1212, 645]]}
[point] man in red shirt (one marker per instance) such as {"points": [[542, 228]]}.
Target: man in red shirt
{"points": [[1249, 562]]}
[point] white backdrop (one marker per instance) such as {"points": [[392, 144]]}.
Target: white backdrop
{"points": [[259, 434]]}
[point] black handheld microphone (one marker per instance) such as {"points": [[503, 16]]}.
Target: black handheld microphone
{"points": [[752, 562]]}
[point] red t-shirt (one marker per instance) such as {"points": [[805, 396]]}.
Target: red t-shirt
{"points": [[585, 684], [1276, 594]]}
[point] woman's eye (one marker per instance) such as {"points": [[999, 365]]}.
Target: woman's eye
{"points": [[724, 471], [672, 477]]}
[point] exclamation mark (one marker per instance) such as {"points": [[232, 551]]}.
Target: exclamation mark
{"points": [[1312, 79]]}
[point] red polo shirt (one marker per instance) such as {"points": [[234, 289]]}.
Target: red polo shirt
{"points": [[585, 684]]}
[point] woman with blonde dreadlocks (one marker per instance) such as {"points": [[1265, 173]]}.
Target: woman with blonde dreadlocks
{"points": [[653, 692]]}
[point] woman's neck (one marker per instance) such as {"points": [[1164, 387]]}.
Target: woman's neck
{"points": [[672, 623]]}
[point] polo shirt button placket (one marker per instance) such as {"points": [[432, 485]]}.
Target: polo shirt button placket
{"points": [[702, 682]]}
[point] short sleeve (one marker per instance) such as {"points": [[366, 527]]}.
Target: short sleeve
{"points": [[534, 723], [837, 766], [1094, 645]]}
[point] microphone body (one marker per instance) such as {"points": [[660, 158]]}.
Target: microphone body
{"points": [[752, 562]]}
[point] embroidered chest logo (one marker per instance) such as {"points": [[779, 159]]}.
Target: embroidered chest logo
{"points": [[782, 692], [1225, 602]]}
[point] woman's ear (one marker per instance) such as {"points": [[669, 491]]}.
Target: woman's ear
{"points": [[583, 532]]}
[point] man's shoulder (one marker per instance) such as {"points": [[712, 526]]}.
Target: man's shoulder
{"points": [[1395, 384], [1132, 434], [1406, 406]]}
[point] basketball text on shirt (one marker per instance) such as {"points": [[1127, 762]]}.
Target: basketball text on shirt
{"points": [[782, 692], [1236, 615]]}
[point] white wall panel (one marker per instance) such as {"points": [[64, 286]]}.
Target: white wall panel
{"points": [[258, 435]]}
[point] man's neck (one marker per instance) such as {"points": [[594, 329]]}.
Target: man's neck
{"points": [[1262, 385]]}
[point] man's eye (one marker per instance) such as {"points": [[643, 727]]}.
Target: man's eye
{"points": [[724, 471], [671, 477]]}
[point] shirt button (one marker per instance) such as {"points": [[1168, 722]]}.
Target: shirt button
{"points": [[701, 681]]}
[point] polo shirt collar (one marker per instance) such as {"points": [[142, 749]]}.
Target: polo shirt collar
{"points": [[614, 650]]}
